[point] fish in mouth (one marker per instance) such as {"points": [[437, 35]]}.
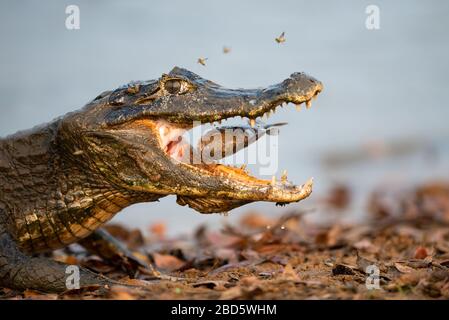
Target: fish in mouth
{"points": [[134, 135], [224, 141]]}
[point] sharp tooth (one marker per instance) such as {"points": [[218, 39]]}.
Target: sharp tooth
{"points": [[273, 180], [284, 176], [298, 107], [308, 104], [252, 122]]}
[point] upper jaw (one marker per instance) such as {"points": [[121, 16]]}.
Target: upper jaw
{"points": [[297, 89], [208, 102], [215, 103]]}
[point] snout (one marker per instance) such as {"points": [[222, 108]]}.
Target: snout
{"points": [[298, 88]]}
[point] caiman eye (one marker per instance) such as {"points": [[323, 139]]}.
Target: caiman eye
{"points": [[175, 86]]}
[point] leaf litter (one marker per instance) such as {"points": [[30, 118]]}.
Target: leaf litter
{"points": [[406, 238]]}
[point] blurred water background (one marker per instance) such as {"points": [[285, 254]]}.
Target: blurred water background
{"points": [[381, 120]]}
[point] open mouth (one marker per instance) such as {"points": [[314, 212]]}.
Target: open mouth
{"points": [[173, 143], [182, 101]]}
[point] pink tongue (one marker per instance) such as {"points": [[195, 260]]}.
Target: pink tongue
{"points": [[171, 146]]}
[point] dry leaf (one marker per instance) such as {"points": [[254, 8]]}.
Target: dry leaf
{"points": [[421, 253], [366, 245], [231, 294], [167, 262], [329, 237], [35, 295], [211, 284], [98, 265], [343, 269], [122, 293], [255, 220], [403, 268]]}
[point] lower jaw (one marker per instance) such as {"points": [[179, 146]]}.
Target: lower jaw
{"points": [[227, 201], [210, 205]]}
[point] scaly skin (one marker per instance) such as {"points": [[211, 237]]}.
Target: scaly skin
{"points": [[61, 181]]}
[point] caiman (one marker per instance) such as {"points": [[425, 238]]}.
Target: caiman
{"points": [[61, 181]]}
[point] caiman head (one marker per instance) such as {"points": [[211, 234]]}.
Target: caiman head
{"points": [[132, 136]]}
